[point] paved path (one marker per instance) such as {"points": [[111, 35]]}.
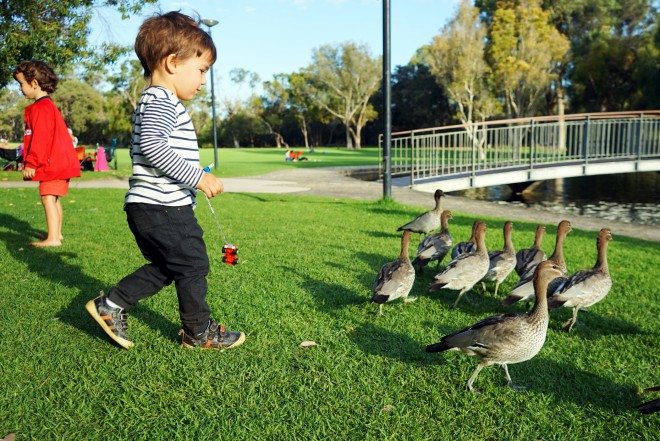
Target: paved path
{"points": [[334, 182]]}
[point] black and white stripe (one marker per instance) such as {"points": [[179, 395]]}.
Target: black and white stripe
{"points": [[164, 151]]}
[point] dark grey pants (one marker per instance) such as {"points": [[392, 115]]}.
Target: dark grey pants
{"points": [[171, 240]]}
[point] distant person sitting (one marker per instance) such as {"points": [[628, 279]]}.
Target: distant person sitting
{"points": [[288, 155], [297, 156]]}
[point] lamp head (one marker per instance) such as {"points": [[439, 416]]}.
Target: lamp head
{"points": [[210, 22]]}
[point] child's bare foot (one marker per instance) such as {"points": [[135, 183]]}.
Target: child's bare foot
{"points": [[47, 243], [44, 236]]}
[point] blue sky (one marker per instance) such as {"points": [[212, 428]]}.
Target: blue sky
{"points": [[278, 36]]}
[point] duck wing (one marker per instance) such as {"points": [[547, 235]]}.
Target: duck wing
{"points": [[582, 289], [395, 279], [423, 223], [527, 259], [463, 248], [477, 338]]}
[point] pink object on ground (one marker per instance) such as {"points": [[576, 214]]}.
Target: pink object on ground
{"points": [[101, 161]]}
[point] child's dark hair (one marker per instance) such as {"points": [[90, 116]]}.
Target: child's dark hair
{"points": [[171, 33], [40, 71]]}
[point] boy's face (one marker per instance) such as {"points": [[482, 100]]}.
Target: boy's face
{"points": [[190, 75], [29, 89]]}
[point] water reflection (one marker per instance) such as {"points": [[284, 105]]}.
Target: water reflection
{"points": [[627, 197]]}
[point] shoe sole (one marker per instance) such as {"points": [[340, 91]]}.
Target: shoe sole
{"points": [[91, 309], [237, 343]]}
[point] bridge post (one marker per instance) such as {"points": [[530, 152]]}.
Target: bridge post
{"points": [[532, 150], [472, 165], [585, 144], [640, 134], [414, 154]]}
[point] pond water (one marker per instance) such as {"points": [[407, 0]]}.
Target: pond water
{"points": [[627, 197]]}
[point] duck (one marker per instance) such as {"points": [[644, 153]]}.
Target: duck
{"points": [[467, 269], [652, 406], [587, 287], [528, 258], [395, 279], [434, 246], [502, 262], [505, 338], [524, 289], [465, 247], [428, 221]]}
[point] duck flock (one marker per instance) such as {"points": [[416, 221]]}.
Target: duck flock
{"points": [[505, 338]]}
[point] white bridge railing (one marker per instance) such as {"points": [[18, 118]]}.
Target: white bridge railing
{"points": [[520, 150]]}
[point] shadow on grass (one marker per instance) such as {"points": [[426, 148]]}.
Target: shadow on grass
{"points": [[572, 384], [329, 297], [375, 340], [475, 302], [592, 326], [55, 267], [385, 235]]}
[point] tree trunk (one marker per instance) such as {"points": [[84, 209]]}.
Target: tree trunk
{"points": [[349, 140], [357, 142], [303, 130]]}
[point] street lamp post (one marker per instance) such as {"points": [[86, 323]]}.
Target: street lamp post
{"points": [[387, 106], [210, 23]]}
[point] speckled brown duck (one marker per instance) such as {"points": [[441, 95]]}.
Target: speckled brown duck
{"points": [[587, 287], [506, 338], [524, 289], [428, 221], [434, 247], [528, 258], [468, 246], [502, 262], [395, 279], [466, 270]]}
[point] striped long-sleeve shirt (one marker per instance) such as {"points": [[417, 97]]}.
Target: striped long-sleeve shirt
{"points": [[164, 151]]}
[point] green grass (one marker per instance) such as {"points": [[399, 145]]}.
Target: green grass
{"points": [[308, 264], [243, 162]]}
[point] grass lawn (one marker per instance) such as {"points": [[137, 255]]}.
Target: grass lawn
{"points": [[244, 161], [306, 272]]}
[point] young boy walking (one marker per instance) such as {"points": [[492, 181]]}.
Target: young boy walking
{"points": [[175, 54], [49, 156]]}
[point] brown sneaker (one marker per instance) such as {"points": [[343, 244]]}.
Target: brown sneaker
{"points": [[214, 337], [112, 320]]}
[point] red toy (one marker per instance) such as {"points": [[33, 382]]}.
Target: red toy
{"points": [[230, 254]]}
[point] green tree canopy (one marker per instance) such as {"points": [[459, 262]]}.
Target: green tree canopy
{"points": [[54, 31], [343, 79]]}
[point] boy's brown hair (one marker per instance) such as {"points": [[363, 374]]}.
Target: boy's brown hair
{"points": [[171, 33], [40, 71]]}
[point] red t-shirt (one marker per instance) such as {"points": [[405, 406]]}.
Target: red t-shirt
{"points": [[47, 144]]}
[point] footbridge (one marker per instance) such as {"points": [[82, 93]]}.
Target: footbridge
{"points": [[524, 150]]}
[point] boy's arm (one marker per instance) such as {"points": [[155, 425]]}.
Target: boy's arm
{"points": [[39, 141], [157, 124]]}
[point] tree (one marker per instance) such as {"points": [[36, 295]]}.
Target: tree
{"points": [[274, 107], [613, 47], [457, 60], [526, 53], [54, 31], [418, 101], [303, 108], [343, 79], [242, 122], [12, 104], [82, 108]]}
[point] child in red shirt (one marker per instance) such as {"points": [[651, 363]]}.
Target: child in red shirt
{"points": [[48, 156]]}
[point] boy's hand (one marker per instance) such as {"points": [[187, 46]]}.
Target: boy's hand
{"points": [[28, 173], [210, 185]]}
